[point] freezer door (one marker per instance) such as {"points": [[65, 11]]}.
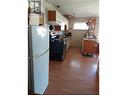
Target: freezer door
{"points": [[41, 73], [40, 40]]}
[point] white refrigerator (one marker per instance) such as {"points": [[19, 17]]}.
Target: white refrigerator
{"points": [[39, 42]]}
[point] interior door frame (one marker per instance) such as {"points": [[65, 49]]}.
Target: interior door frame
{"points": [[30, 64]]}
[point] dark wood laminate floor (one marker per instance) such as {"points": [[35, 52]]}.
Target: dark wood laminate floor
{"points": [[75, 75]]}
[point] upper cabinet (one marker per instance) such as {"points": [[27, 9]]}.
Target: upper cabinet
{"points": [[52, 15], [55, 18]]}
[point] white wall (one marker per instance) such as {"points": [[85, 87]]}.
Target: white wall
{"points": [[76, 38]]}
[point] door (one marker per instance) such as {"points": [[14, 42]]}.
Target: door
{"points": [[40, 40], [41, 72]]}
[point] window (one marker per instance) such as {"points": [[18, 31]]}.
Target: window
{"points": [[80, 26]]}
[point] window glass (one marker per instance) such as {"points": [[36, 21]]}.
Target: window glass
{"points": [[80, 26]]}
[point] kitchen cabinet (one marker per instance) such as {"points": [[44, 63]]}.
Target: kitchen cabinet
{"points": [[55, 18], [57, 28], [89, 46], [52, 15], [68, 43]]}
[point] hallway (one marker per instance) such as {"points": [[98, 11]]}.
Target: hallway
{"points": [[75, 75]]}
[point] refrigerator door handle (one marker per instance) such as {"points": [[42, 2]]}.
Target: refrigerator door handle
{"points": [[29, 57]]}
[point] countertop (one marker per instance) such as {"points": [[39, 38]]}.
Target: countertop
{"points": [[92, 39]]}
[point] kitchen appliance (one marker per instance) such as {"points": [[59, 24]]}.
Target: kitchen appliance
{"points": [[51, 27], [68, 34], [57, 50], [38, 58]]}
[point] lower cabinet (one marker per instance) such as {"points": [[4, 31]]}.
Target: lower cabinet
{"points": [[68, 44], [89, 47]]}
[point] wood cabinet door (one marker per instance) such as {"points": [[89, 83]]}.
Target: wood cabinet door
{"points": [[90, 46], [52, 15]]}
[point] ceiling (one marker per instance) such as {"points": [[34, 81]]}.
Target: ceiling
{"points": [[78, 8]]}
